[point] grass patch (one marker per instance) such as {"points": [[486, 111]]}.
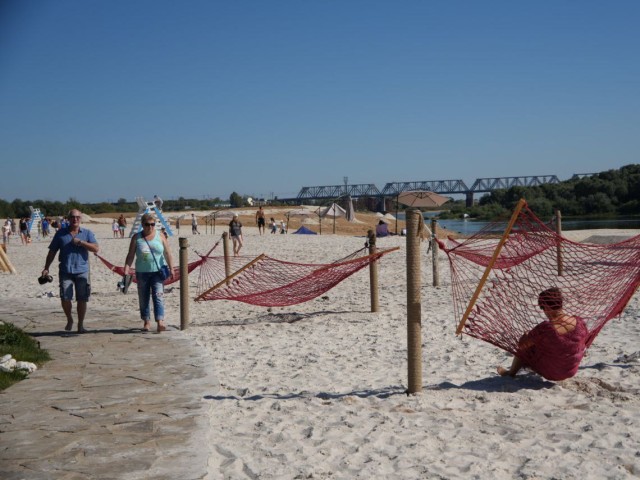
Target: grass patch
{"points": [[23, 348]]}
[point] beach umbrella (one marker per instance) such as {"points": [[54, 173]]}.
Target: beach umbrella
{"points": [[421, 198]]}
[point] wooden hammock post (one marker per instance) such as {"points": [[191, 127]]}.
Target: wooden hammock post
{"points": [[225, 249], [414, 307], [434, 252], [559, 246], [184, 283], [492, 262], [373, 272], [5, 262]]}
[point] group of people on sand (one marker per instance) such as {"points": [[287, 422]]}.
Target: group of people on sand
{"points": [[561, 332], [73, 243], [273, 224], [118, 226]]}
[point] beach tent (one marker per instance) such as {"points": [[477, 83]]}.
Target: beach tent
{"points": [[350, 213], [304, 231], [332, 211]]}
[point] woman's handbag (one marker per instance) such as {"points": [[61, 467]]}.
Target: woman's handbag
{"points": [[166, 273], [164, 269]]}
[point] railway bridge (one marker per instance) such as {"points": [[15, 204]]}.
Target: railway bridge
{"points": [[443, 187]]}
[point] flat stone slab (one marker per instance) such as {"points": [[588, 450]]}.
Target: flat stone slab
{"points": [[114, 403]]}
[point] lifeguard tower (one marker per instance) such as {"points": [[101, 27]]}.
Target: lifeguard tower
{"points": [[35, 219], [149, 207]]}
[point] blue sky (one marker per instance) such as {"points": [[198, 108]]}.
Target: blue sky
{"points": [[118, 98]]}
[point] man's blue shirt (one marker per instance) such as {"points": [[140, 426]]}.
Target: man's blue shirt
{"points": [[73, 259]]}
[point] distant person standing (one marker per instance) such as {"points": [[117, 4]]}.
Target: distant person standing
{"points": [[283, 226], [235, 231], [24, 230], [260, 220], [157, 201], [194, 225], [273, 225], [115, 228], [6, 232], [74, 244], [45, 227], [122, 225], [178, 225]]}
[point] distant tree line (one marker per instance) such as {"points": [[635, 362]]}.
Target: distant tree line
{"points": [[610, 193], [613, 192], [20, 208]]}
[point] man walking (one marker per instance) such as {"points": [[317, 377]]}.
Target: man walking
{"points": [[74, 244], [194, 225]]}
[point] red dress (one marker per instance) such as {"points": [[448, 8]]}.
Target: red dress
{"points": [[552, 355]]}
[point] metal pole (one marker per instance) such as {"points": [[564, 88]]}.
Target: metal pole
{"points": [[373, 273], [414, 306], [559, 246], [434, 252], [184, 283]]}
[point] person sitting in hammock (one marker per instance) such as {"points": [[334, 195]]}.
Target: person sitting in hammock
{"points": [[553, 348]]}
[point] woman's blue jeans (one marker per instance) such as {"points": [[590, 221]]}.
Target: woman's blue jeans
{"points": [[150, 286]]}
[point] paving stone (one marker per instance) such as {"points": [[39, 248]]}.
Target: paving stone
{"points": [[109, 405]]}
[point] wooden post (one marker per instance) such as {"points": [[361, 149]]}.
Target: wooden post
{"points": [[225, 249], [559, 246], [184, 283], [434, 252], [5, 262], [373, 272], [414, 306]]}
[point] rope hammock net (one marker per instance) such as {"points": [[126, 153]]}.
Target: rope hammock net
{"points": [[176, 270], [269, 282], [499, 301]]}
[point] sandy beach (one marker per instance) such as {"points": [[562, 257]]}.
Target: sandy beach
{"points": [[316, 390]]}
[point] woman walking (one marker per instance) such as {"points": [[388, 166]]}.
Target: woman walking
{"points": [[235, 231], [151, 251]]}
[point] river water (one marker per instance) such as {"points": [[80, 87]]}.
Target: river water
{"points": [[469, 227]]}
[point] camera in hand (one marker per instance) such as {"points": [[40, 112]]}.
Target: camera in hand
{"points": [[123, 285]]}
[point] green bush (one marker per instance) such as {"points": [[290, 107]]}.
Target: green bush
{"points": [[23, 348]]}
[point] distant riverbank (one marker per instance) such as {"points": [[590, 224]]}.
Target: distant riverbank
{"points": [[469, 227]]}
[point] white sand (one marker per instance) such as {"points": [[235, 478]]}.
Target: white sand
{"points": [[317, 390]]}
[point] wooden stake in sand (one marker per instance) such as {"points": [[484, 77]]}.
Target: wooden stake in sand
{"points": [[373, 272], [559, 246], [225, 249], [5, 263], [184, 283], [414, 306], [434, 252]]}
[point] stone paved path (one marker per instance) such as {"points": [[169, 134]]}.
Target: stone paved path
{"points": [[114, 403]]}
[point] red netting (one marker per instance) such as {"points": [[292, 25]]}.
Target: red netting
{"points": [[597, 281], [176, 270], [269, 282]]}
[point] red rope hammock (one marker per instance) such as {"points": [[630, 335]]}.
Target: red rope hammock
{"points": [[596, 281], [176, 270], [269, 282]]}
